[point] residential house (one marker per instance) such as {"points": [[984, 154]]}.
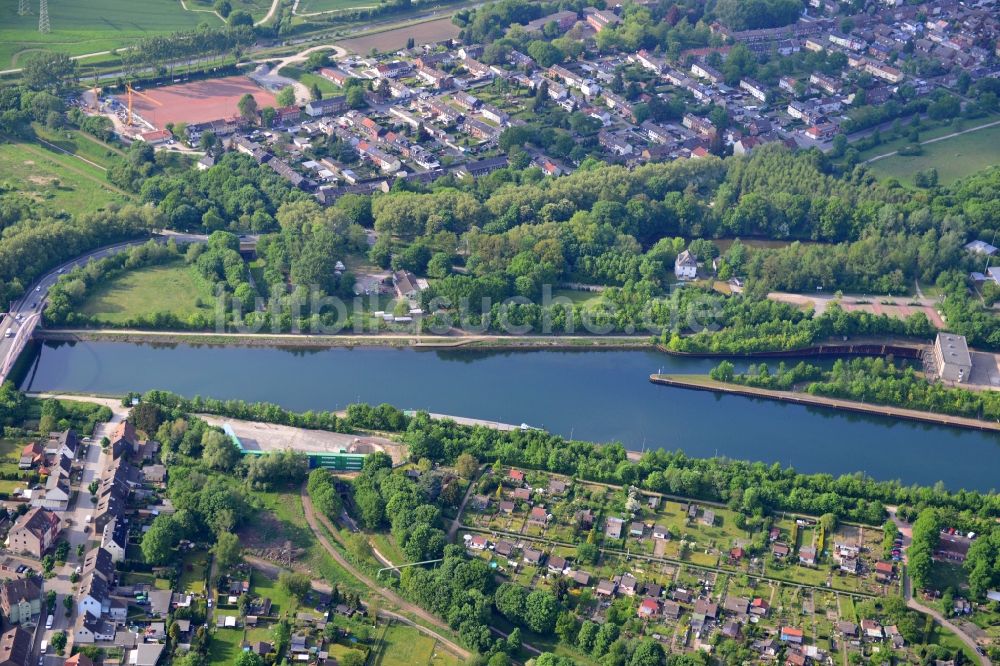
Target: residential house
{"points": [[671, 610], [159, 602], [532, 556], [145, 654], [613, 528], [91, 629], [79, 659], [326, 107], [506, 506], [755, 88], [871, 629], [807, 555], [706, 607], [738, 605], [708, 517], [649, 608], [54, 495], [581, 578], [32, 455], [114, 539], [34, 533], [94, 596], [15, 647], [780, 550], [759, 607], [607, 588], [21, 599], [660, 532], [847, 629], [627, 584], [63, 443], [791, 635], [521, 494], [704, 71], [557, 564], [538, 516], [556, 487], [636, 529], [686, 266]]}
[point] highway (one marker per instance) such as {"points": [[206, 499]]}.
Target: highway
{"points": [[26, 313]]}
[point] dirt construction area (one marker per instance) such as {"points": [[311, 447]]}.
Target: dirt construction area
{"points": [[196, 102], [256, 436]]}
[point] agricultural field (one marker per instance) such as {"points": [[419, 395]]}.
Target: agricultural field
{"points": [[58, 181], [171, 288], [954, 158], [391, 40], [79, 28], [307, 7]]}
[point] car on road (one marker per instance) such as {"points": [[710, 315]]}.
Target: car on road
{"points": [[33, 304], [21, 568], [38, 288]]}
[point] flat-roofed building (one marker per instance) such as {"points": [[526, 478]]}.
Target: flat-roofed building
{"points": [[952, 358]]}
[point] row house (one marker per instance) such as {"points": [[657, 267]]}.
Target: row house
{"points": [[824, 83], [600, 19], [614, 143], [392, 70], [477, 69], [847, 42], [519, 59], [490, 112], [479, 129], [568, 77], [656, 133], [618, 103], [650, 62], [436, 78], [564, 20], [884, 72], [704, 71], [758, 90], [405, 116], [381, 159], [466, 101], [441, 111], [33, 533], [787, 83], [326, 107], [699, 125]]}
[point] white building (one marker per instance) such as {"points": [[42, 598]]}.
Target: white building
{"points": [[686, 266]]}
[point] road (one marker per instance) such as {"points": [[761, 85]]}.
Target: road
{"points": [[314, 519], [25, 314]]}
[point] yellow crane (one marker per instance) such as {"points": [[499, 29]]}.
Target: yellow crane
{"points": [[132, 91]]}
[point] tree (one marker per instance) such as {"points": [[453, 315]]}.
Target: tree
{"points": [[296, 584], [410, 42], [68, 604], [223, 7], [248, 108], [50, 600], [50, 72], [647, 653], [466, 465], [315, 92], [249, 658], [227, 550], [218, 450], [285, 96], [58, 642], [240, 18], [540, 612], [160, 539]]}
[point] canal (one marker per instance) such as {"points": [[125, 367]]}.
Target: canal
{"points": [[600, 396]]}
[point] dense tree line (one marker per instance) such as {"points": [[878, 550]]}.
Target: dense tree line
{"points": [[744, 484], [926, 534]]}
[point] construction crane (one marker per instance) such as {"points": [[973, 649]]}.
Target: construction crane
{"points": [[132, 91]]}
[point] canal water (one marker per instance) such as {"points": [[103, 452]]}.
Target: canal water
{"points": [[600, 396]]}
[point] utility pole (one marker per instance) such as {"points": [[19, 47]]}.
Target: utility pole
{"points": [[43, 17]]}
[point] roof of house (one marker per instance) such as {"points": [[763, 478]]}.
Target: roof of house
{"points": [[99, 561], [687, 259], [145, 654], [15, 646], [38, 521], [124, 431], [79, 659], [16, 590]]}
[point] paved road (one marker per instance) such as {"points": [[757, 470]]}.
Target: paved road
{"points": [[24, 313]]}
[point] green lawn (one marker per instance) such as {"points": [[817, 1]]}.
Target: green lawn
{"points": [[268, 587], [173, 288], [80, 143], [225, 646], [87, 27], [953, 158], [58, 181], [584, 298], [326, 86], [402, 645], [313, 6], [257, 8], [194, 572]]}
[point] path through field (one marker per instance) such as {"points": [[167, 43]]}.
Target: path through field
{"points": [[936, 139]]}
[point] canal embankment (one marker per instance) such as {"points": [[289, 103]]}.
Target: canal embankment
{"points": [[705, 383]]}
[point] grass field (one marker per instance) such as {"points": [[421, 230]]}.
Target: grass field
{"points": [[81, 144], [172, 287], [257, 8], [226, 645], [314, 6], [78, 28], [391, 40], [402, 645], [953, 158], [326, 86], [61, 182]]}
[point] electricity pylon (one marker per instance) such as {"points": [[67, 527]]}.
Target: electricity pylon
{"points": [[43, 17]]}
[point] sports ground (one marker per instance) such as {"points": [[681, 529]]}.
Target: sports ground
{"points": [[196, 102]]}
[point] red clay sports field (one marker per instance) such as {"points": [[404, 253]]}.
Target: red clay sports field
{"points": [[196, 102]]}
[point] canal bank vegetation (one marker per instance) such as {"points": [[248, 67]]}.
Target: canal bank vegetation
{"points": [[870, 380], [752, 486]]}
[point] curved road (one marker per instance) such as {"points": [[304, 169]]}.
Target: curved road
{"points": [[25, 313]]}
